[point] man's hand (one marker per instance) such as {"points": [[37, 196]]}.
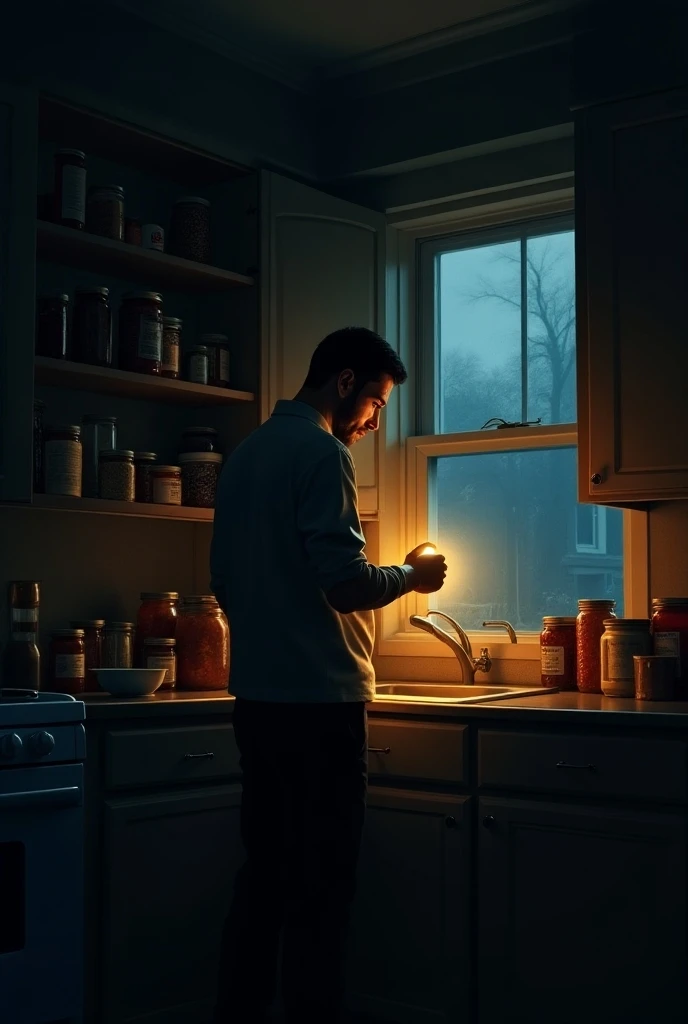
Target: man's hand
{"points": [[428, 570]]}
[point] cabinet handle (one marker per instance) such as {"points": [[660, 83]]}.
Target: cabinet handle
{"points": [[207, 756], [379, 750], [450, 821], [596, 478], [584, 767], [489, 820]]}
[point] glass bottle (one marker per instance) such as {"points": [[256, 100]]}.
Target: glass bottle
{"points": [[589, 630], [202, 645], [22, 660]]}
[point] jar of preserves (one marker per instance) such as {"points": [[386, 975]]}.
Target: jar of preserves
{"points": [[38, 414], [118, 645], [200, 474], [92, 327], [190, 229], [167, 485], [116, 475], [171, 346], [140, 332], [157, 616], [51, 325], [93, 649], [67, 663], [63, 461], [200, 439], [105, 211], [670, 636], [197, 365], [202, 645], [98, 434], [622, 638], [143, 481], [218, 358], [70, 188], [159, 652], [133, 231], [558, 651], [589, 630]]}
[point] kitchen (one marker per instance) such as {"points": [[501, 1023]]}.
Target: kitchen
{"points": [[416, 162]]}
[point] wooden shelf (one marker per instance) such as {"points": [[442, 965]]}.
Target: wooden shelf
{"points": [[140, 510], [105, 381], [80, 249]]}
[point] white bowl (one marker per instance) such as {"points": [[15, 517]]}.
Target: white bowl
{"points": [[130, 682]]}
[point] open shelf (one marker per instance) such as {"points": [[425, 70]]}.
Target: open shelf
{"points": [[139, 509], [106, 381], [80, 249]]}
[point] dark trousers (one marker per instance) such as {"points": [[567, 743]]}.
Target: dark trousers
{"points": [[304, 790]]}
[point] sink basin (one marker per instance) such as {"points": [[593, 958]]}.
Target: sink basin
{"points": [[447, 693]]}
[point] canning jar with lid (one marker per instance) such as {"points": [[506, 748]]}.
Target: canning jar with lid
{"points": [[38, 476], [143, 482], [670, 636], [171, 346], [190, 229], [589, 630], [70, 188], [157, 616], [62, 454], [159, 652], [116, 475], [200, 474], [167, 485], [218, 358], [51, 325], [105, 211], [140, 332], [202, 645], [92, 327], [93, 648], [197, 365], [118, 645], [200, 439], [98, 434], [558, 651], [67, 663], [622, 638]]}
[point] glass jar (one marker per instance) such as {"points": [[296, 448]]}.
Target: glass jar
{"points": [[70, 188], [67, 663], [589, 630], [171, 347], [133, 231], [190, 229], [51, 325], [92, 327], [140, 332], [21, 663], [105, 211], [558, 651], [218, 358], [118, 645], [157, 616], [159, 652], [670, 636], [200, 474], [93, 649], [200, 439], [116, 475], [197, 365], [622, 638], [98, 434], [202, 645], [143, 481], [167, 485], [63, 461], [38, 414]]}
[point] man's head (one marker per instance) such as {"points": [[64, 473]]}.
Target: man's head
{"points": [[353, 372]]}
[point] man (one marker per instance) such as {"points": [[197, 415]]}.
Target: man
{"points": [[288, 566]]}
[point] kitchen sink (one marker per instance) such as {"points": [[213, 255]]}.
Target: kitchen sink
{"points": [[447, 693]]}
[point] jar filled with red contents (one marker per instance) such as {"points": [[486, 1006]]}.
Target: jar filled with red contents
{"points": [[589, 630], [670, 636], [93, 649], [156, 617], [202, 645], [67, 669], [558, 651], [140, 332]]}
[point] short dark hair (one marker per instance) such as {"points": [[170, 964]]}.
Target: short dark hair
{"points": [[358, 349]]}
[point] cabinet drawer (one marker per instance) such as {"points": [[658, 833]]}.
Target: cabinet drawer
{"points": [[418, 750], [155, 757], [635, 769]]}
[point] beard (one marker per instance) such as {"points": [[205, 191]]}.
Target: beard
{"points": [[345, 427]]}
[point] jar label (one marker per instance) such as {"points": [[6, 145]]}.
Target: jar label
{"points": [[150, 339], [617, 657], [223, 365], [70, 666], [25, 615], [552, 661], [73, 193], [167, 491], [63, 468], [170, 355], [669, 644], [198, 369], [167, 662]]}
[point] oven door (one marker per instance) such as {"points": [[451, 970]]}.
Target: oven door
{"points": [[41, 894]]}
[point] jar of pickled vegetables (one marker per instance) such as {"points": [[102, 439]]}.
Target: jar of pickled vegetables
{"points": [[202, 645], [589, 630]]}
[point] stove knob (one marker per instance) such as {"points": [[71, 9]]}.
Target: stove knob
{"points": [[10, 745], [41, 743]]}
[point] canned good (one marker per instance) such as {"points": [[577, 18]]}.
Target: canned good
{"points": [[63, 460], [621, 640], [167, 485]]}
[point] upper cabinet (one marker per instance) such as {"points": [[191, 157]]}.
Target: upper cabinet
{"points": [[632, 265]]}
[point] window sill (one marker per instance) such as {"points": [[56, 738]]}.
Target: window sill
{"points": [[415, 644]]}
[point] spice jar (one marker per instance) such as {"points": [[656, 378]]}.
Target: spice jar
{"points": [[157, 616], [167, 485], [171, 346], [622, 638], [51, 325], [105, 211], [143, 483], [159, 652], [63, 460], [589, 630], [200, 474], [558, 651], [670, 636], [38, 413], [218, 358], [70, 188], [133, 233], [116, 475], [98, 434], [140, 332], [92, 327], [93, 649], [67, 663], [200, 439], [118, 649], [202, 645], [190, 229], [197, 365]]}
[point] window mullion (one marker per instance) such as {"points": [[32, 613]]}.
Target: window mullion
{"points": [[524, 328]]}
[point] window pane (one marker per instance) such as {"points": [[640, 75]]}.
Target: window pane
{"points": [[551, 328], [508, 525]]}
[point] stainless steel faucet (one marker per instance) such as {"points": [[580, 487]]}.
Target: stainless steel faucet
{"points": [[462, 647]]}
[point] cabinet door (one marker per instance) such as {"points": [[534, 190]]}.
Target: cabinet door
{"points": [[170, 862], [323, 267], [409, 957], [582, 915], [632, 257]]}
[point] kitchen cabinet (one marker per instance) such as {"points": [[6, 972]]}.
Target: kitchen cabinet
{"points": [[632, 265]]}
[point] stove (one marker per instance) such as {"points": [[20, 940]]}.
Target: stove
{"points": [[42, 749]]}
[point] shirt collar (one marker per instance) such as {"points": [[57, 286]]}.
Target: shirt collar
{"points": [[291, 408]]}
